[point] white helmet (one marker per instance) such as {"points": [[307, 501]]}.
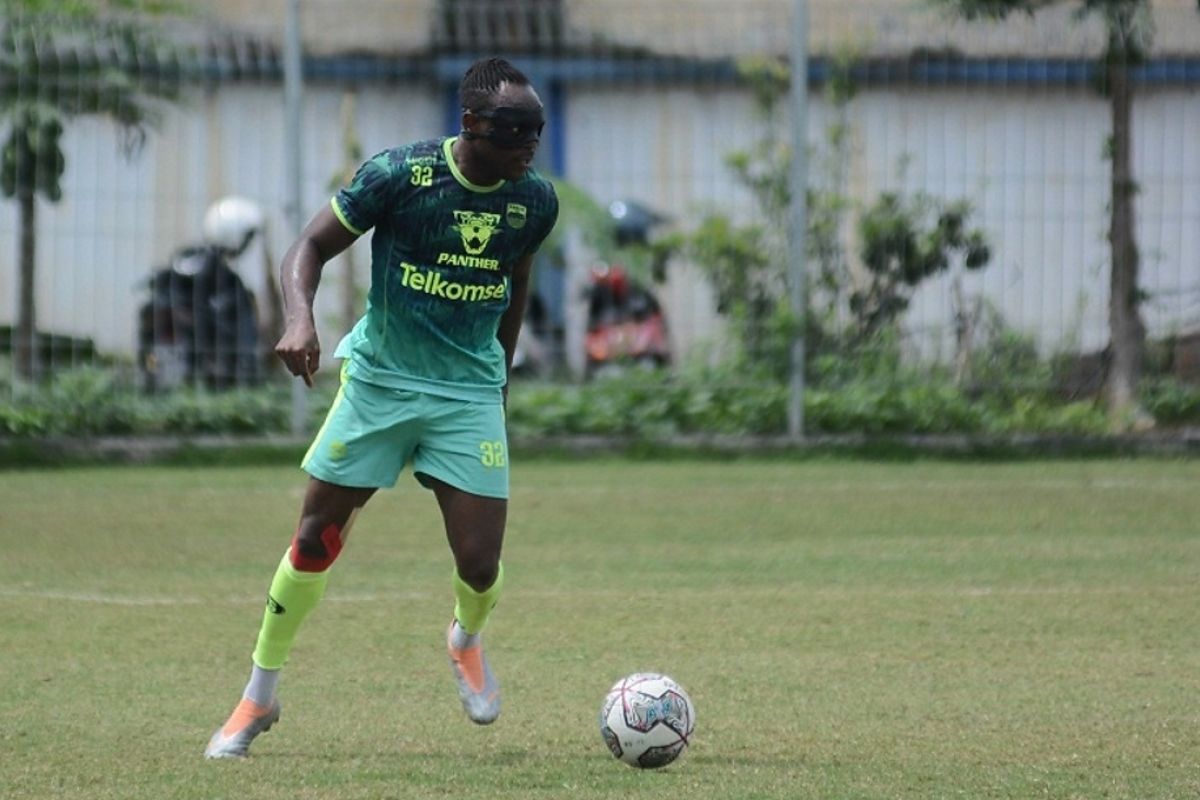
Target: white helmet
{"points": [[231, 222]]}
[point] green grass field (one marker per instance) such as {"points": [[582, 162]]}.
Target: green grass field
{"points": [[846, 629]]}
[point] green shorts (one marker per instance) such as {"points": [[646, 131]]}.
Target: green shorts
{"points": [[371, 432]]}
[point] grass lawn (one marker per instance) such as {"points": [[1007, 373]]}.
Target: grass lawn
{"points": [[847, 629]]}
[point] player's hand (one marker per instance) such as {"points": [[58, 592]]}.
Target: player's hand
{"points": [[300, 351]]}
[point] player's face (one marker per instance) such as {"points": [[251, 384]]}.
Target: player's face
{"points": [[511, 130]]}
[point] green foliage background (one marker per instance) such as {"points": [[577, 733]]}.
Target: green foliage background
{"points": [[887, 400]]}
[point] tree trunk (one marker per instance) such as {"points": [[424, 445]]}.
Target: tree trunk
{"points": [[25, 344], [966, 320], [1127, 333]]}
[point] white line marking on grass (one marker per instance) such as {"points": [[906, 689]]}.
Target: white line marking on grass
{"points": [[149, 601], [95, 598], [101, 598]]}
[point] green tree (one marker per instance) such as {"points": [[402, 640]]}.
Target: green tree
{"points": [[60, 59], [903, 241], [746, 261], [906, 241], [1128, 25]]}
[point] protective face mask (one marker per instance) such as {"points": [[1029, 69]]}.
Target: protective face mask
{"points": [[513, 128]]}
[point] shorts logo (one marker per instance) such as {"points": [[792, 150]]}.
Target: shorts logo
{"points": [[337, 450], [515, 215], [476, 229]]}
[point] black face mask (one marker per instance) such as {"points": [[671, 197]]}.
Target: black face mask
{"points": [[512, 128]]}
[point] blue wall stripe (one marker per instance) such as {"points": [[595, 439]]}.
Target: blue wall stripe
{"points": [[1184, 70]]}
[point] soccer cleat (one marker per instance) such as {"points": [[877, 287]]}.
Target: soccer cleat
{"points": [[249, 719], [477, 685]]}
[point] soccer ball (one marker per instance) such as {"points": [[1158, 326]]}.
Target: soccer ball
{"points": [[647, 720]]}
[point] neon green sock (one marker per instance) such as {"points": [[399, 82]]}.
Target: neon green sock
{"points": [[293, 595], [472, 608]]}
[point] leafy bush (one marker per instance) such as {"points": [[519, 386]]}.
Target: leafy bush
{"points": [[919, 408], [717, 402], [1171, 402], [237, 412], [22, 421], [94, 401], [1008, 366], [727, 400]]}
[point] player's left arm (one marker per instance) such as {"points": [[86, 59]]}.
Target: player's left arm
{"points": [[510, 322]]}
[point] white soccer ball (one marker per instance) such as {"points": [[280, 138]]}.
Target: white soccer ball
{"points": [[647, 720]]}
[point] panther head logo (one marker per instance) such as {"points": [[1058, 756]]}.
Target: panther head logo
{"points": [[476, 229]]}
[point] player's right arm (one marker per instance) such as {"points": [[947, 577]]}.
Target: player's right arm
{"points": [[299, 275]]}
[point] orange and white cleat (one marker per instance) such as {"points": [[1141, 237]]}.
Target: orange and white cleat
{"points": [[477, 685], [247, 721]]}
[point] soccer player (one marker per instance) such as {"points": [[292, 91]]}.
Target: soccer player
{"points": [[424, 372]]}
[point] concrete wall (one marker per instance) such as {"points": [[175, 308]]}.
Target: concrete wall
{"points": [[1030, 162], [719, 28]]}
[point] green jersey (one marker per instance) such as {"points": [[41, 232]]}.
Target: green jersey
{"points": [[442, 255]]}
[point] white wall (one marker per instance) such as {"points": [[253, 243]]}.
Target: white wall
{"points": [[1030, 161], [122, 217], [1032, 165]]}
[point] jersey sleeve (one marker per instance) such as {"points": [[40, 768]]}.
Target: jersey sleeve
{"points": [[362, 203], [547, 218]]}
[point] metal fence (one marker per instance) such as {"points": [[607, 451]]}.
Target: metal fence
{"points": [[664, 117]]}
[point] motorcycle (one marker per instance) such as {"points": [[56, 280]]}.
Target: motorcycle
{"points": [[626, 325], [199, 326]]}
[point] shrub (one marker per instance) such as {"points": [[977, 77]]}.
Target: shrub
{"points": [[889, 399], [1171, 402]]}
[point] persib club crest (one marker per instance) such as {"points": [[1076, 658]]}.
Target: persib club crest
{"points": [[515, 215], [476, 229]]}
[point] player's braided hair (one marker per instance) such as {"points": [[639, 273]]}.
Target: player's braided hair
{"points": [[483, 79]]}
